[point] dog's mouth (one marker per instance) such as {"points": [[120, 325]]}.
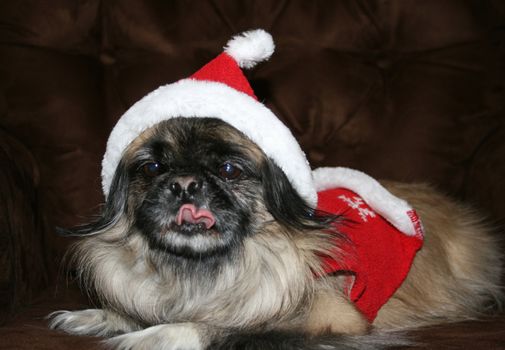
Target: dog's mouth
{"points": [[192, 221], [193, 232], [190, 215]]}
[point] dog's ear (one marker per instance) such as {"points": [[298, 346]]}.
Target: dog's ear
{"points": [[113, 209], [286, 205]]}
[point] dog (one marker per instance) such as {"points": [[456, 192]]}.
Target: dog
{"points": [[203, 243]]}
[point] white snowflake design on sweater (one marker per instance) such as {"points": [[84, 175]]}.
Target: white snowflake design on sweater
{"points": [[357, 203]]}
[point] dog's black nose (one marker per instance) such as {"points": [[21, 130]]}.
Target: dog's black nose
{"points": [[186, 184]]}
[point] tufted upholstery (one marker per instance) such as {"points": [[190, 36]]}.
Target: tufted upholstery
{"points": [[407, 90]]}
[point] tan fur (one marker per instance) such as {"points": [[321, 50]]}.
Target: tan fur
{"points": [[279, 269], [333, 312]]}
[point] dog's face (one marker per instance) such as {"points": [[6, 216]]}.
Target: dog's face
{"points": [[195, 188]]}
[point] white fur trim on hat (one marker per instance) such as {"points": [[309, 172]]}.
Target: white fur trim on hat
{"points": [[196, 99], [395, 210], [250, 48]]}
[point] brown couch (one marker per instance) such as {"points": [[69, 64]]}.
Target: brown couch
{"points": [[408, 90]]}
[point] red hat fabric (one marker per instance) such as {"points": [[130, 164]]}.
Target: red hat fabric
{"points": [[224, 69]]}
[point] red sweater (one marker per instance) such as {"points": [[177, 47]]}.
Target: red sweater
{"points": [[379, 256]]}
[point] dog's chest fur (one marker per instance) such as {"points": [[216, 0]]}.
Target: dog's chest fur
{"points": [[266, 283]]}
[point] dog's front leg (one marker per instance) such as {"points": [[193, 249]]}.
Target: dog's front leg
{"points": [[175, 336], [95, 322]]}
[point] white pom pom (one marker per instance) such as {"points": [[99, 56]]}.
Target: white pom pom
{"points": [[249, 48]]}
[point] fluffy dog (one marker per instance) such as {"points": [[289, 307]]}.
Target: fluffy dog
{"points": [[209, 238], [203, 242]]}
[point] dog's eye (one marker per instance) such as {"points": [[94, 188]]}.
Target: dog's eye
{"points": [[151, 169], [229, 171]]}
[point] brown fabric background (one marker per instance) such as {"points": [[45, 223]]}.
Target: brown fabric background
{"points": [[407, 90]]}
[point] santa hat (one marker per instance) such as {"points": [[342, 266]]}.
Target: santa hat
{"points": [[219, 90]]}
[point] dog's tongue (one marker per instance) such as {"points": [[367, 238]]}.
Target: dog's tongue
{"points": [[193, 215]]}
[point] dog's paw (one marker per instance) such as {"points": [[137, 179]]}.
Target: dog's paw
{"points": [[95, 322], [179, 336]]}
